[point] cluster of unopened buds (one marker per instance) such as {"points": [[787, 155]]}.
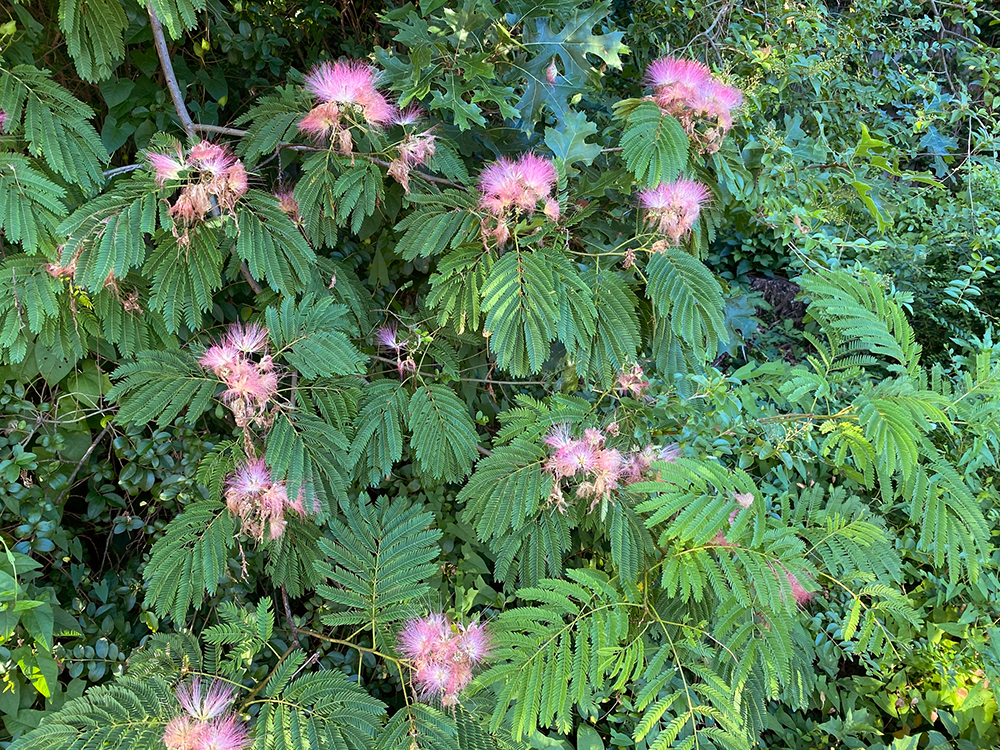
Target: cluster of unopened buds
{"points": [[672, 208], [602, 469], [207, 722], [443, 655], [241, 361], [259, 502], [214, 181], [687, 91], [387, 337], [512, 188]]}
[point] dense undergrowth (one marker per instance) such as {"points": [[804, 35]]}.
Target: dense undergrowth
{"points": [[386, 376]]}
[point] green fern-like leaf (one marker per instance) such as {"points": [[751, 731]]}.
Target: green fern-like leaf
{"points": [[455, 287], [419, 727], [184, 276], [378, 560], [273, 120], [312, 337], [443, 435], [178, 15], [273, 248], [189, 560], [378, 430], [128, 714], [56, 125], [321, 711], [521, 311], [30, 204], [654, 145], [29, 301], [615, 340], [686, 293], [446, 223], [94, 32], [106, 235], [157, 386]]}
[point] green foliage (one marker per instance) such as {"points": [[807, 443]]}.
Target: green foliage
{"points": [[692, 503], [379, 560], [654, 145]]}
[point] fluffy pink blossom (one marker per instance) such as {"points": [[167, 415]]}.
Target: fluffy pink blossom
{"points": [[261, 503], [385, 337], [558, 437], [673, 207], [181, 734], [474, 642], [249, 383], [409, 116], [288, 204], [676, 80], [443, 654], [321, 122], [247, 337], [509, 188], [225, 733], [686, 89], [551, 209], [204, 702], [165, 166], [219, 358], [421, 638], [631, 381], [3, 120], [250, 480], [350, 84], [743, 499], [799, 593], [552, 72]]}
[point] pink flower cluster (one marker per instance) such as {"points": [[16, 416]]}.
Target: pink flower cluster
{"points": [[260, 502], [288, 204], [206, 723], [215, 178], [251, 383], [631, 381], [511, 188], [686, 89], [443, 654], [672, 208], [388, 338], [414, 150], [602, 469], [348, 95]]}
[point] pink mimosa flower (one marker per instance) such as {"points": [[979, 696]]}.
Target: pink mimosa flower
{"points": [[385, 337], [250, 480], [474, 642], [321, 122], [350, 83], [422, 638], [673, 207], [3, 120], [203, 702], [247, 337], [181, 734], [220, 359], [165, 166], [409, 116], [226, 733], [801, 596], [442, 654], [288, 204]]}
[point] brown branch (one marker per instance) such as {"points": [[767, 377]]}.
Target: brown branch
{"points": [[163, 52]]}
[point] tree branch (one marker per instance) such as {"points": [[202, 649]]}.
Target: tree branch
{"points": [[163, 52]]}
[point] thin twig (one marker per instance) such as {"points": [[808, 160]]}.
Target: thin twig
{"points": [[163, 52], [236, 132], [121, 170], [82, 461]]}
